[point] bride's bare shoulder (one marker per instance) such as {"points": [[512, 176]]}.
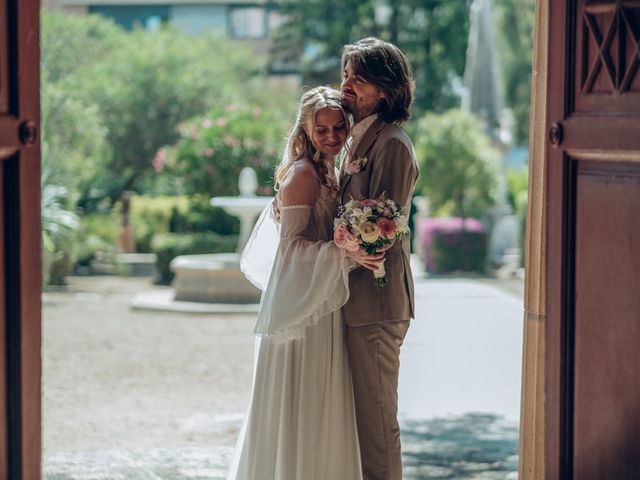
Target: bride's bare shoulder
{"points": [[301, 186]]}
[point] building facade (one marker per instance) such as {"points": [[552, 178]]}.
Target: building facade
{"points": [[238, 19]]}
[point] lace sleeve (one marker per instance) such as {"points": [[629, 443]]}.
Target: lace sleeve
{"points": [[309, 280], [259, 253]]}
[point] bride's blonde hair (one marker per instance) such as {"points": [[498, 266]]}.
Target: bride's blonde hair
{"points": [[300, 144]]}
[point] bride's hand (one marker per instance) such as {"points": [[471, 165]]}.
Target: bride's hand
{"points": [[372, 262], [275, 208]]}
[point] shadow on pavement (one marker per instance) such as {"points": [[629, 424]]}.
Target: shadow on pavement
{"points": [[471, 446]]}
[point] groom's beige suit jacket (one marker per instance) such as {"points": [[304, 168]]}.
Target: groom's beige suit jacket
{"points": [[391, 167]]}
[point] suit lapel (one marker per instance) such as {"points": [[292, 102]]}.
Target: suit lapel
{"points": [[368, 138], [344, 181], [367, 141]]}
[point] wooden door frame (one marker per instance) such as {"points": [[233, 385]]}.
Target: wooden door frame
{"points": [[20, 299], [532, 409]]}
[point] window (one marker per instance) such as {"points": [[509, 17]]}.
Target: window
{"points": [[275, 19], [247, 22], [196, 19], [128, 17]]}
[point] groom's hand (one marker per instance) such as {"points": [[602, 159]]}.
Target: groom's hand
{"points": [[372, 262]]}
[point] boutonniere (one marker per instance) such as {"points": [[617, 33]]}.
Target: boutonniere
{"points": [[356, 165]]}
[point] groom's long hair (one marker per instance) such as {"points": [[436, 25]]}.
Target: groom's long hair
{"points": [[384, 65], [300, 145]]}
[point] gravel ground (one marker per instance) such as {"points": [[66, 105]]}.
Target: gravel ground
{"points": [[151, 395], [115, 378]]}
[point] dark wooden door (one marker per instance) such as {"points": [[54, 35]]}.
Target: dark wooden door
{"points": [[20, 278], [592, 391]]}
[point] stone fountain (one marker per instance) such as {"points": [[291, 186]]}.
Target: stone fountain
{"points": [[246, 207], [216, 278]]}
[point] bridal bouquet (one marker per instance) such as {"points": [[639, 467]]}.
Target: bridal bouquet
{"points": [[369, 224]]}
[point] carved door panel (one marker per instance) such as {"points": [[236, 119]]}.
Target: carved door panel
{"points": [[20, 272], [592, 391]]}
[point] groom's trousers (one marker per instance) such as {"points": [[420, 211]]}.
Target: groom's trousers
{"points": [[374, 357]]}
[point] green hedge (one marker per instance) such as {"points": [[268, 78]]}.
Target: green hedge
{"points": [[462, 251], [151, 216], [171, 245]]}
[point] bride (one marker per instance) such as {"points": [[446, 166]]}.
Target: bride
{"points": [[301, 419]]}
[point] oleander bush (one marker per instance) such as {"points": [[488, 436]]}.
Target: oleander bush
{"points": [[450, 245]]}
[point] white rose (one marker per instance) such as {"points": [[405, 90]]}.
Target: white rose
{"points": [[357, 217], [339, 221], [369, 232]]}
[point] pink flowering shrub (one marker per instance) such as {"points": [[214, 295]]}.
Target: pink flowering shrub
{"points": [[212, 149], [447, 247]]}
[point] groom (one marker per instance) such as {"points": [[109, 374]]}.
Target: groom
{"points": [[377, 88]]}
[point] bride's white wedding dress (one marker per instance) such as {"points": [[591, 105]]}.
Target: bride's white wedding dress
{"points": [[301, 420]]}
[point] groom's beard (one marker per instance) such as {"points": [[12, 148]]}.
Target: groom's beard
{"points": [[360, 108]]}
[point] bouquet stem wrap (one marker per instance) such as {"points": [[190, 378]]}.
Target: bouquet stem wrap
{"points": [[380, 277]]}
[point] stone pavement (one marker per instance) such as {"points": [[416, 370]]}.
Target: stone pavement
{"points": [[148, 395], [472, 446], [463, 351]]}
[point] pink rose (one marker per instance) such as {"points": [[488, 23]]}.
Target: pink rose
{"points": [[353, 168], [352, 243], [387, 227], [340, 236], [367, 202]]}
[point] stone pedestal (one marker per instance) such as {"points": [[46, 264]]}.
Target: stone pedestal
{"points": [[245, 208], [214, 278]]}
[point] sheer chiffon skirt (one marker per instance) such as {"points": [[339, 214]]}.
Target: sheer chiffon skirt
{"points": [[301, 420]]}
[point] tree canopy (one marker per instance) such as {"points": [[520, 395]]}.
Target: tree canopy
{"points": [[134, 88], [458, 164], [432, 33], [515, 23]]}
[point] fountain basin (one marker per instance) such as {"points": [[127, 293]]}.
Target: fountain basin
{"points": [[213, 283], [212, 278], [242, 205]]}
